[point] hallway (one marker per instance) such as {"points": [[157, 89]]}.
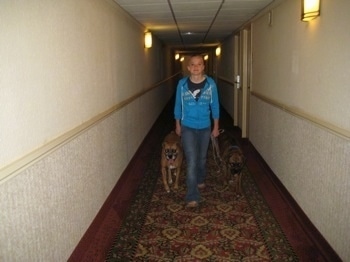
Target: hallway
{"points": [[80, 91], [304, 238]]}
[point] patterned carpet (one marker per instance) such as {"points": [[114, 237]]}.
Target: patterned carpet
{"points": [[225, 226]]}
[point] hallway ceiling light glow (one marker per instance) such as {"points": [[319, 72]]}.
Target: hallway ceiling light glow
{"points": [[218, 51], [310, 9], [148, 39]]}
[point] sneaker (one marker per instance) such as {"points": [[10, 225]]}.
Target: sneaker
{"points": [[201, 186], [192, 204]]}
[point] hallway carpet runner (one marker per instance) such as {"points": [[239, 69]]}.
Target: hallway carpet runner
{"points": [[224, 227]]}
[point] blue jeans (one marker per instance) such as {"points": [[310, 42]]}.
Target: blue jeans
{"points": [[195, 144]]}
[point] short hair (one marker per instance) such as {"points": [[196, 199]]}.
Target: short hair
{"points": [[199, 55], [196, 55]]}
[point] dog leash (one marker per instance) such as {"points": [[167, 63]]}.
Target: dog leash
{"points": [[216, 149]]}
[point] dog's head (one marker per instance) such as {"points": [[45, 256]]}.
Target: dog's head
{"points": [[171, 151], [236, 160]]}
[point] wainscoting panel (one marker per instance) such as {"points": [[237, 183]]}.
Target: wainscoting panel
{"points": [[311, 162], [47, 207]]}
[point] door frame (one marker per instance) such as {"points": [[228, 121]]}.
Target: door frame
{"points": [[242, 72]]}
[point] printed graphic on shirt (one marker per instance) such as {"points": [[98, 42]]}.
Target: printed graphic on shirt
{"points": [[195, 88], [196, 93], [205, 97]]}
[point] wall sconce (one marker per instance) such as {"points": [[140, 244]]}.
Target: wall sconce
{"points": [[148, 39], [206, 57], [182, 59], [218, 51], [177, 56], [310, 9]]}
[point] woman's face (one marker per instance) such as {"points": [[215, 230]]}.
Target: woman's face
{"points": [[196, 65]]}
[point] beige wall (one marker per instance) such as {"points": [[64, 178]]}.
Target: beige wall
{"points": [[308, 63], [299, 110], [75, 82], [64, 63]]}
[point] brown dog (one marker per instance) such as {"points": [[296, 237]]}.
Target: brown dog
{"points": [[232, 161], [171, 160]]}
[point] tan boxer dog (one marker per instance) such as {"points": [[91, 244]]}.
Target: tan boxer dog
{"points": [[171, 160]]}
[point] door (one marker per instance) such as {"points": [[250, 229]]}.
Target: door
{"points": [[242, 80]]}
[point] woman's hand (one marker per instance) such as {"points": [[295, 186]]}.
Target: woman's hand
{"points": [[178, 128], [215, 132]]}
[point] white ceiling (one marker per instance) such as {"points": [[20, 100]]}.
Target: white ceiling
{"points": [[186, 23]]}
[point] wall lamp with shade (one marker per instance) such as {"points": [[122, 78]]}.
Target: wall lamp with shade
{"points": [[148, 39], [218, 51], [310, 9], [177, 56]]}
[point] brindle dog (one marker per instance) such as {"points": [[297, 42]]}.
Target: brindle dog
{"points": [[232, 161], [171, 160]]}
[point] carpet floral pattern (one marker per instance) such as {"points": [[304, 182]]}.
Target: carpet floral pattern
{"points": [[225, 226]]}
